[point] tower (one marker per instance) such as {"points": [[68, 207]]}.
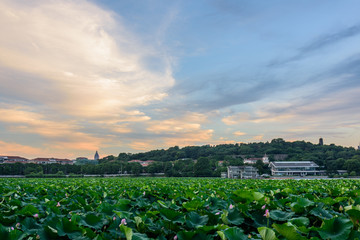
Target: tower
{"points": [[96, 157], [321, 141]]}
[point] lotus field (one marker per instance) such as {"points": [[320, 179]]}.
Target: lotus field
{"points": [[166, 208]]}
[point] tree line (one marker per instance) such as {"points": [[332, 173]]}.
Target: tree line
{"points": [[204, 161]]}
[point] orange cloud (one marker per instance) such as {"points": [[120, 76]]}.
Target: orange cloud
{"points": [[23, 120], [93, 65], [182, 131], [258, 138], [15, 149], [141, 146], [236, 118], [238, 133]]}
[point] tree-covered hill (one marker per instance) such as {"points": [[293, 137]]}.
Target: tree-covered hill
{"points": [[329, 156]]}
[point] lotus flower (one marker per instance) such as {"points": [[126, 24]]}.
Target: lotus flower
{"points": [[36, 215], [123, 221], [58, 204], [231, 206], [267, 213]]}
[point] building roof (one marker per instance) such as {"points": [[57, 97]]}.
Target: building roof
{"points": [[51, 159], [294, 164], [13, 158]]}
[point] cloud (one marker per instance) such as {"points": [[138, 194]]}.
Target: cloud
{"points": [[83, 57], [238, 133], [236, 118], [60, 136], [258, 137], [181, 131], [15, 149], [209, 93], [73, 75], [323, 41], [330, 39], [141, 145], [27, 121]]}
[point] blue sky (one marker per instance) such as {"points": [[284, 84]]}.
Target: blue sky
{"points": [[114, 76]]}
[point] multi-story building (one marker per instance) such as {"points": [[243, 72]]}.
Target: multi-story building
{"points": [[243, 172], [264, 159], [12, 159], [51, 160], [143, 163], [294, 168]]}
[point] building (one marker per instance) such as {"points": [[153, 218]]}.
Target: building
{"points": [[51, 161], [12, 159], [294, 168], [142, 163], [264, 159], [96, 156], [242, 172], [321, 141]]}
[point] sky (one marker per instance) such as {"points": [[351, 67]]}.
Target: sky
{"points": [[115, 76]]}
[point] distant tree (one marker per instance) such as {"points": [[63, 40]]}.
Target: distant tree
{"points": [[168, 169], [236, 162], [353, 164], [202, 167], [136, 168]]}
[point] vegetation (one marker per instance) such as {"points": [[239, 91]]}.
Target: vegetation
{"points": [[173, 208], [200, 161]]}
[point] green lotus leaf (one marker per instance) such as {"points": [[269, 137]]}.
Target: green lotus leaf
{"points": [[29, 210], [171, 215], [127, 231], [234, 217], [139, 236], [242, 196], [185, 235], [193, 205], [7, 233], [301, 204], [67, 228], [194, 220], [300, 221], [321, 213], [354, 215], [257, 196], [267, 233], [288, 231], [336, 228], [235, 233], [279, 215], [92, 220]]}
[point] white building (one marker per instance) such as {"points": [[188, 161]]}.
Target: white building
{"points": [[264, 159], [294, 168], [12, 159], [243, 172]]}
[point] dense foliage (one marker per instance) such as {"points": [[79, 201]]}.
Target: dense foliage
{"points": [[331, 157], [179, 162], [167, 208]]}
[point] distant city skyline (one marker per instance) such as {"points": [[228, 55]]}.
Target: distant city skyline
{"points": [[114, 76]]}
